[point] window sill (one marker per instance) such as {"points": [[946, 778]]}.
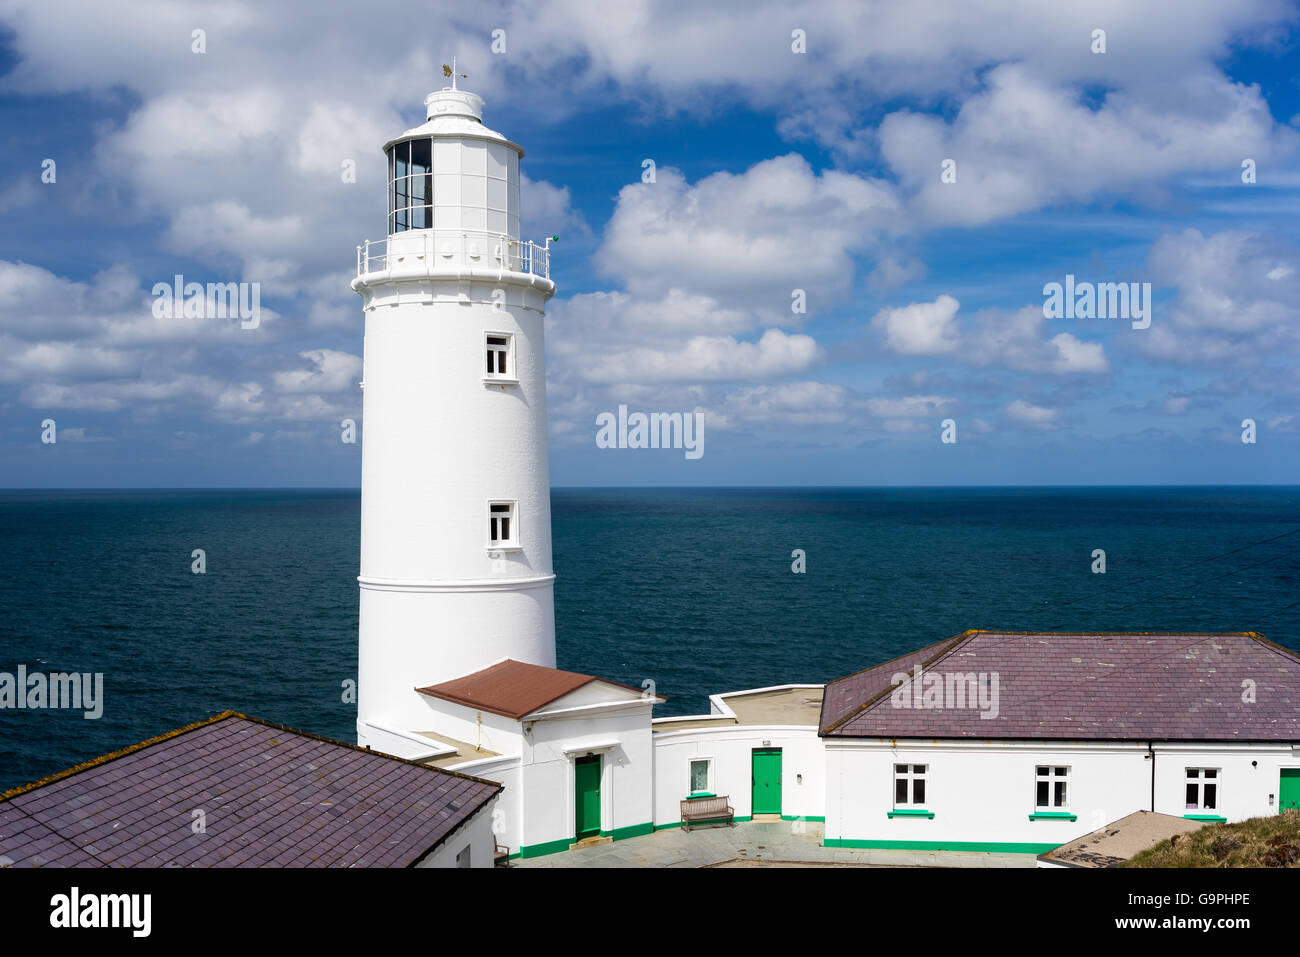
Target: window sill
{"points": [[911, 812], [1209, 818], [1053, 816], [700, 794], [499, 380], [505, 548]]}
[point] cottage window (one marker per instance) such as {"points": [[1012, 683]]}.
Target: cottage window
{"points": [[700, 776], [909, 785], [1051, 788], [1202, 789]]}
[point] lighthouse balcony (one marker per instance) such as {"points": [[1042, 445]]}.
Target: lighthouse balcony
{"points": [[423, 252]]}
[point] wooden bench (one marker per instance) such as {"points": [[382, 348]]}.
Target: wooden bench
{"points": [[707, 809], [501, 856]]}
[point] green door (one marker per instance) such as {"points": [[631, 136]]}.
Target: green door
{"points": [[767, 780], [586, 790], [1289, 790]]}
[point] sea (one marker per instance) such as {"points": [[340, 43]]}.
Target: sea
{"points": [[699, 591]]}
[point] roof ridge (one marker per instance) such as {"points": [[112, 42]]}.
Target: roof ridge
{"points": [[114, 755], [950, 644], [437, 690], [364, 750], [1273, 646], [214, 719]]}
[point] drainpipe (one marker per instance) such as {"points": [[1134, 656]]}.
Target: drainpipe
{"points": [[1151, 753]]}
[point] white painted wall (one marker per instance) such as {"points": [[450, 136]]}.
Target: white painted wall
{"points": [[730, 747], [1244, 788], [980, 792], [983, 792], [627, 770], [476, 834]]}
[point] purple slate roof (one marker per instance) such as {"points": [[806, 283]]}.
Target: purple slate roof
{"points": [[842, 698], [1130, 687], [271, 796]]}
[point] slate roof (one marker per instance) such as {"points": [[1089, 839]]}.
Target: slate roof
{"points": [[1100, 686], [513, 688], [271, 797]]}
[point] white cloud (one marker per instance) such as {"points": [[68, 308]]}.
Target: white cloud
{"points": [[749, 237], [1014, 340], [330, 371], [921, 329], [1235, 301], [1023, 144], [789, 403], [709, 359], [1035, 415]]}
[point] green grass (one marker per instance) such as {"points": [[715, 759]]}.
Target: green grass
{"points": [[1272, 841]]}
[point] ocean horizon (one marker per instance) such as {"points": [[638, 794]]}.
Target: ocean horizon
{"points": [[690, 588]]}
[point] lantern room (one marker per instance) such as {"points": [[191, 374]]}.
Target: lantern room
{"points": [[453, 175]]}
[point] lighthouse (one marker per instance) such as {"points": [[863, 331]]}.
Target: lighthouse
{"points": [[455, 489]]}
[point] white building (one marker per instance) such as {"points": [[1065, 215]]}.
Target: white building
{"points": [[1024, 741], [455, 491], [1053, 735]]}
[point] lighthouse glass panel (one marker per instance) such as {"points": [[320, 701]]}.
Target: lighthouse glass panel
{"points": [[410, 186]]}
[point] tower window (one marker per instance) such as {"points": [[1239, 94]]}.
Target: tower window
{"points": [[500, 361], [501, 525]]}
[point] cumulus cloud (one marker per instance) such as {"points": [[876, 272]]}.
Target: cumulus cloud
{"points": [[921, 329], [1015, 340], [98, 346], [1235, 300], [1023, 144], [753, 236]]}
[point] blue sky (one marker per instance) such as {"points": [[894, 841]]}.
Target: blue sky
{"points": [[775, 171]]}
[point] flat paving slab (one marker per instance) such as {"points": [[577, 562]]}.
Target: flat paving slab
{"points": [[758, 844]]}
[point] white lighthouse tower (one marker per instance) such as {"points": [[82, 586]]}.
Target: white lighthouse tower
{"points": [[455, 490]]}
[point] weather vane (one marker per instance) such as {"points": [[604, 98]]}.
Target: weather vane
{"points": [[451, 72]]}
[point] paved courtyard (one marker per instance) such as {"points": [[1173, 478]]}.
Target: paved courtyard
{"points": [[757, 843]]}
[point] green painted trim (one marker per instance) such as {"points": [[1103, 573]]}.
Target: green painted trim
{"points": [[1053, 816], [699, 794], [1212, 818], [554, 847], [678, 824], [912, 812], [549, 847], [803, 817], [977, 846], [632, 830]]}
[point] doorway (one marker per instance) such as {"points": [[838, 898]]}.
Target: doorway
{"points": [[766, 780], [586, 795]]}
